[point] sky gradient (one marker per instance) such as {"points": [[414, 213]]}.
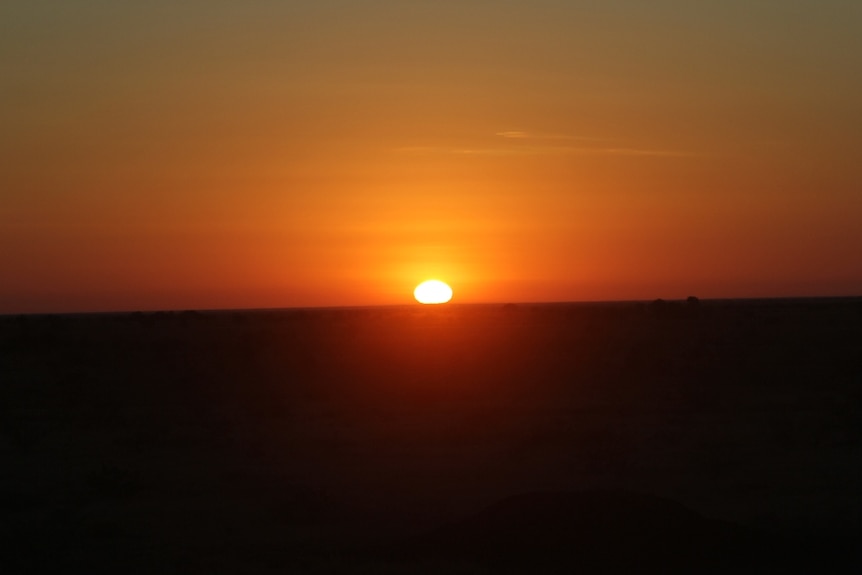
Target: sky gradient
{"points": [[174, 155]]}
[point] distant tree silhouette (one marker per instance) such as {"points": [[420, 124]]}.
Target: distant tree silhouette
{"points": [[658, 306]]}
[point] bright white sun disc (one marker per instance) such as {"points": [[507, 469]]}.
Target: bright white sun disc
{"points": [[432, 291]]}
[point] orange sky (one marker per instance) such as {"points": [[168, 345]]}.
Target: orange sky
{"points": [[270, 154]]}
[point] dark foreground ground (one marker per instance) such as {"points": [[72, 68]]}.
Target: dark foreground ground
{"points": [[722, 437]]}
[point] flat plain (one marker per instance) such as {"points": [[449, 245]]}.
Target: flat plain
{"points": [[689, 437]]}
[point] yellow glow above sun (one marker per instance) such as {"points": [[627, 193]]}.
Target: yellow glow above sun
{"points": [[432, 292]]}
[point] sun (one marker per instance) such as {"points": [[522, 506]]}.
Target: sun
{"points": [[432, 292]]}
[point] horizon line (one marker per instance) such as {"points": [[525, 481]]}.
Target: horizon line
{"points": [[417, 305]]}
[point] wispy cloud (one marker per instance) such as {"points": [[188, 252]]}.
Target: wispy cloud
{"points": [[632, 152], [548, 144], [513, 134], [541, 150], [442, 150], [539, 136]]}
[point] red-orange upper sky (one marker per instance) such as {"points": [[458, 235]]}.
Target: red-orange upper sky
{"points": [[265, 154]]}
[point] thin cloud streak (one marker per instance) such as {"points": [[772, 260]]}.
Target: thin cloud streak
{"points": [[542, 150], [523, 143], [520, 135], [549, 145]]}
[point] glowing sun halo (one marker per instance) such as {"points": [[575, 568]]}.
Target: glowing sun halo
{"points": [[432, 291]]}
